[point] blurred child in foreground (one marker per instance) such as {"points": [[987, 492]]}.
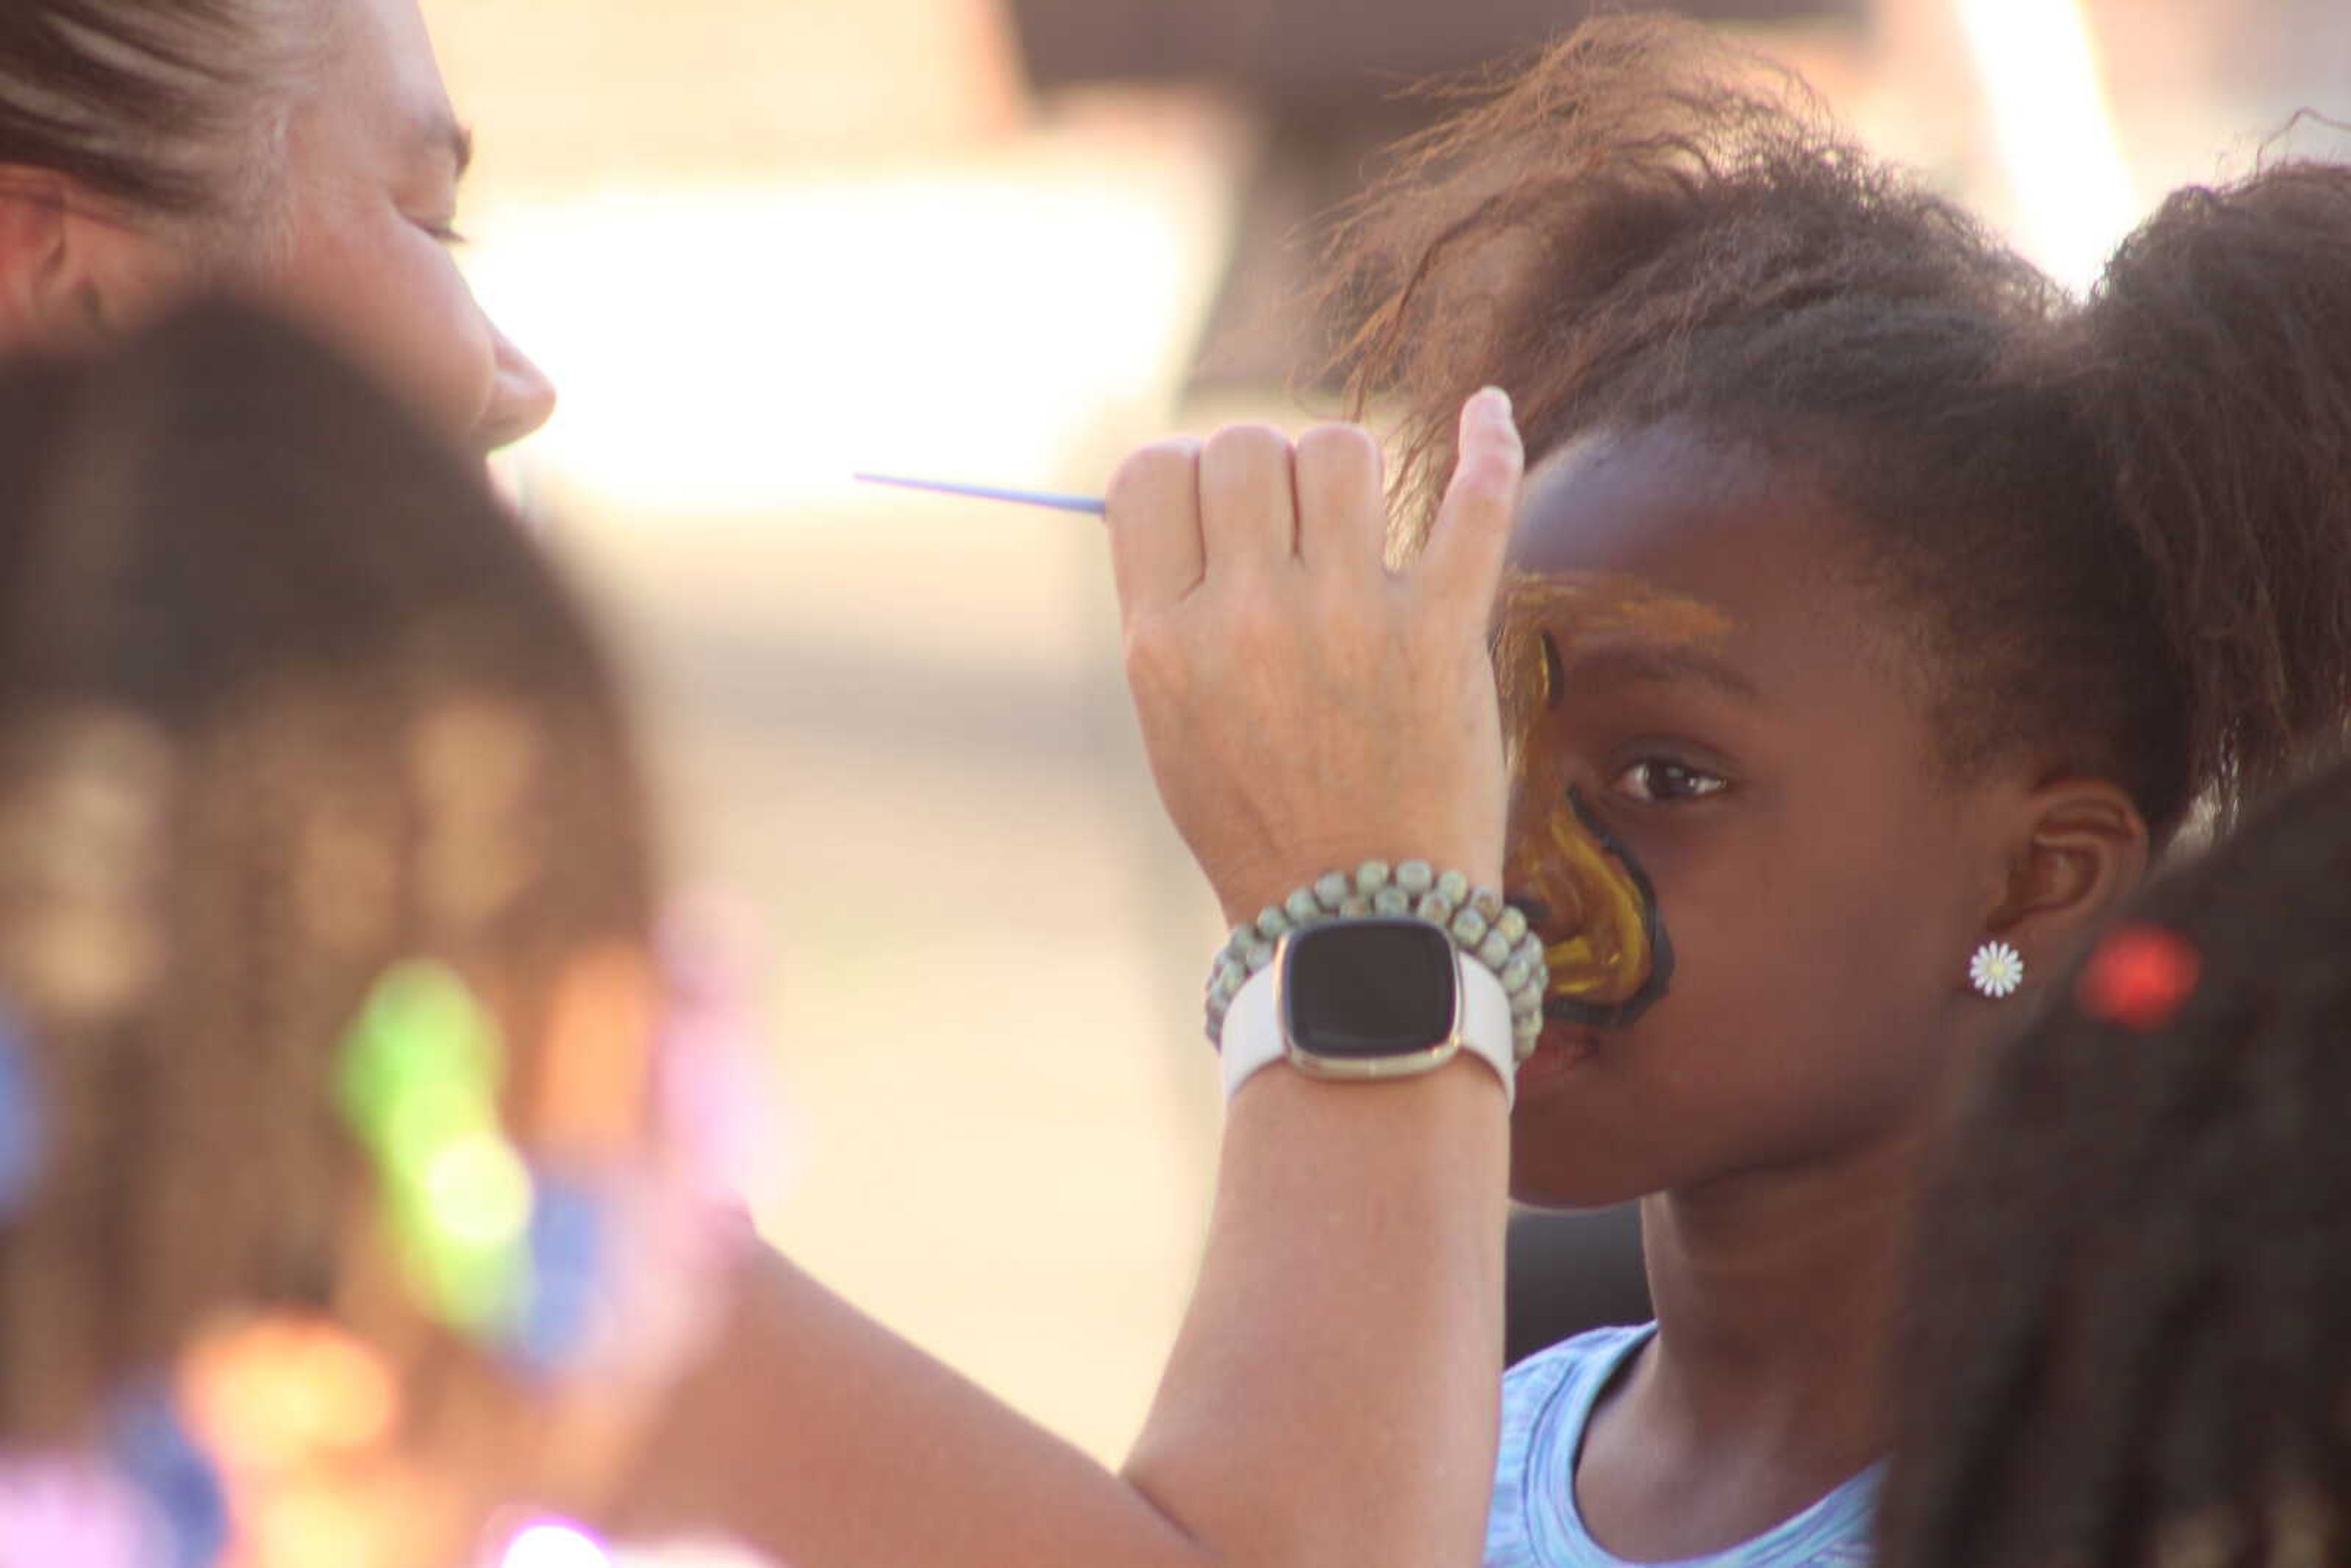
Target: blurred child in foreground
{"points": [[2130, 1335], [343, 1223]]}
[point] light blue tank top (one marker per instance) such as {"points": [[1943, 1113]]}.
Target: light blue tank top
{"points": [[1548, 1399]]}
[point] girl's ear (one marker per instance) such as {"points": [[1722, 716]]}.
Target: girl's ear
{"points": [[70, 275], [2080, 850]]}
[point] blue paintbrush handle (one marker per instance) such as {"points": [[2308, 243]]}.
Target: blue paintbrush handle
{"points": [[1091, 505]]}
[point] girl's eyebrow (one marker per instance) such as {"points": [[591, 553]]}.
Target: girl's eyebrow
{"points": [[1645, 660]]}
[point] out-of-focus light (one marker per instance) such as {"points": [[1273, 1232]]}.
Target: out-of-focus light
{"points": [[2038, 62], [312, 1523], [740, 352], [81, 1514], [555, 1546], [270, 1394], [479, 1192]]}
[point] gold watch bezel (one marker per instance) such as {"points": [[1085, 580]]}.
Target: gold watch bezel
{"points": [[1365, 1069]]}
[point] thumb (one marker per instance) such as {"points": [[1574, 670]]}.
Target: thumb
{"points": [[1463, 563]]}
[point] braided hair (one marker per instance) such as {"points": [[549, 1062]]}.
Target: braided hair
{"points": [[285, 698], [2129, 1341], [2117, 530]]}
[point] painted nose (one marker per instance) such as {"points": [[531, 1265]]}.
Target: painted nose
{"points": [[522, 399]]}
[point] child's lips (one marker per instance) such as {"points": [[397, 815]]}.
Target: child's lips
{"points": [[1563, 1048]]}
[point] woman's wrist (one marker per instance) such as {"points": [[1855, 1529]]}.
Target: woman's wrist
{"points": [[1474, 918], [669, 1488]]}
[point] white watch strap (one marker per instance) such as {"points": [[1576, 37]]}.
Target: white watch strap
{"points": [[1252, 1035]]}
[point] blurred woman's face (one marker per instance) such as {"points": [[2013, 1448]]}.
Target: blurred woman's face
{"points": [[346, 227], [374, 156]]}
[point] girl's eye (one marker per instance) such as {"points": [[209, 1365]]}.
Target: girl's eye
{"points": [[444, 232], [1656, 781]]}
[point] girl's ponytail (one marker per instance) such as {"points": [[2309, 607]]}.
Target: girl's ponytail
{"points": [[2216, 353]]}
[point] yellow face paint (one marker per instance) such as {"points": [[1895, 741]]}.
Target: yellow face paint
{"points": [[1611, 956]]}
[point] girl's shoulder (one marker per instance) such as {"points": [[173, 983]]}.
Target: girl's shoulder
{"points": [[1593, 1357], [1548, 1396], [1547, 1399]]}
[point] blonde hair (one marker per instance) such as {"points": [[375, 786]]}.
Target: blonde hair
{"points": [[177, 108]]}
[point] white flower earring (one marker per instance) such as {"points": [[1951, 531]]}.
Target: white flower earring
{"points": [[1997, 970]]}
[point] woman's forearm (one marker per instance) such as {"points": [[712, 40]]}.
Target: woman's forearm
{"points": [[1330, 1400], [1332, 1396]]}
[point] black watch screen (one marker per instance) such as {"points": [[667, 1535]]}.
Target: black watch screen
{"points": [[1361, 989]]}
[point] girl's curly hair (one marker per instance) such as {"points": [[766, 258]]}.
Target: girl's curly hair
{"points": [[2125, 520]]}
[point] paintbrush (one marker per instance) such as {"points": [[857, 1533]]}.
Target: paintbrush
{"points": [[1091, 505]]}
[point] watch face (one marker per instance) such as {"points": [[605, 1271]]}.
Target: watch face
{"points": [[1361, 989]]}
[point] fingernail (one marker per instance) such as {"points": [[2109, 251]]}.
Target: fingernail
{"points": [[1495, 404]]}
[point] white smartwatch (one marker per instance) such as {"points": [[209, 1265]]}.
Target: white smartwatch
{"points": [[1363, 1000]]}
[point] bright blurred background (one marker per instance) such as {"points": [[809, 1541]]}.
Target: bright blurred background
{"points": [[762, 243]]}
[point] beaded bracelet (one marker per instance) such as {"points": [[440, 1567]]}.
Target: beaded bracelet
{"points": [[1476, 919]]}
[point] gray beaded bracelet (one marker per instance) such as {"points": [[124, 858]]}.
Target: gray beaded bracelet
{"points": [[1476, 919]]}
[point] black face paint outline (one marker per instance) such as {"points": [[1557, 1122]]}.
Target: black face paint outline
{"points": [[1621, 1015]]}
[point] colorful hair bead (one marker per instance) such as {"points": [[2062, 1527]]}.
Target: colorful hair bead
{"points": [[719, 1110], [152, 1451], [274, 1393], [23, 1144], [2138, 976], [554, 1543], [419, 1086], [568, 1240], [72, 1510]]}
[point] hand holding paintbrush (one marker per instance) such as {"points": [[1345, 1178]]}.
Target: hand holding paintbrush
{"points": [[1303, 719], [1304, 709]]}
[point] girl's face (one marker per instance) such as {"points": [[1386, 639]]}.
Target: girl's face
{"points": [[1731, 703]]}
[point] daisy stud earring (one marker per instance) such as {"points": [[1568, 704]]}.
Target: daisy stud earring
{"points": [[1996, 970]]}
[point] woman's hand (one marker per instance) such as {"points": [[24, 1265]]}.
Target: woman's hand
{"points": [[1304, 709]]}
